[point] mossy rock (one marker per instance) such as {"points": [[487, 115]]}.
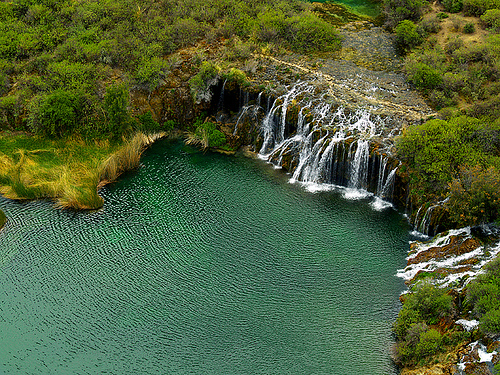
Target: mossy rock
{"points": [[3, 219]]}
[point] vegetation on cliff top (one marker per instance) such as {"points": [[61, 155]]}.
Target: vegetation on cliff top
{"points": [[58, 57], [454, 59]]}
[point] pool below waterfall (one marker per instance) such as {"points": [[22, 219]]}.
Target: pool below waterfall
{"points": [[201, 263]]}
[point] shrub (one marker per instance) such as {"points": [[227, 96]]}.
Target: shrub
{"points": [[55, 114], [492, 19], [150, 71], [430, 302], [475, 196], [484, 295], [407, 36], [478, 7], [430, 343], [435, 150], [453, 6], [116, 102], [399, 10], [430, 25], [205, 77], [469, 28], [425, 77]]}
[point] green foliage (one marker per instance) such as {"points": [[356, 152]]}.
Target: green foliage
{"points": [[208, 132], [478, 7], [453, 6], [424, 306], [396, 11], [425, 77], [235, 75], [469, 28], [492, 19], [483, 294], [407, 35], [430, 302], [455, 158], [55, 114], [475, 196], [442, 15], [147, 123], [116, 105], [204, 78], [71, 46], [150, 71]]}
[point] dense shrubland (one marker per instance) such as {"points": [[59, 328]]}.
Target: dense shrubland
{"points": [[455, 159], [56, 56]]}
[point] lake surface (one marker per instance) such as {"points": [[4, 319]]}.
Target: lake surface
{"points": [[201, 264], [370, 8]]}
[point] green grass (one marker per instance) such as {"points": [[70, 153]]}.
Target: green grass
{"points": [[67, 170]]}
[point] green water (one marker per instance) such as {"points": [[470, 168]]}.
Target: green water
{"points": [[200, 264], [370, 8]]}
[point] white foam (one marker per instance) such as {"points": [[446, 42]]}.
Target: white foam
{"points": [[355, 194], [468, 325], [439, 240], [379, 204], [451, 262]]}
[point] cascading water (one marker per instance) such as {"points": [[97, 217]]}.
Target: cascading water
{"points": [[320, 142]]}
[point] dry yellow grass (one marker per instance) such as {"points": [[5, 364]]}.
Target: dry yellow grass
{"points": [[69, 172]]}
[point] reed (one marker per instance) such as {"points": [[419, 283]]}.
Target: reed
{"points": [[69, 171], [127, 157]]}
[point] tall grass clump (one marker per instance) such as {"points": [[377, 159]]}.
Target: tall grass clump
{"points": [[127, 157]]}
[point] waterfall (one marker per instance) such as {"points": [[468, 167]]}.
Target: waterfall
{"points": [[359, 166], [320, 142], [423, 226]]}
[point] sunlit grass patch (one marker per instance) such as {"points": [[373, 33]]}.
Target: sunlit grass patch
{"points": [[68, 170]]}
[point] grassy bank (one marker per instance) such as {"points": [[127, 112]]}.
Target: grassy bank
{"points": [[67, 170]]}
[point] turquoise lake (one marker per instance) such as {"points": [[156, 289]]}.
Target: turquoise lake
{"points": [[201, 263]]}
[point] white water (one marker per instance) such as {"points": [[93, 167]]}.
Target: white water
{"points": [[328, 145], [450, 262]]}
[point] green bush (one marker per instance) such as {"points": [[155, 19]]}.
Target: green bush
{"points": [[483, 294], [56, 114], [469, 28], [453, 6], [116, 105], [150, 72], [475, 196], [425, 77], [430, 302], [478, 7], [396, 11], [208, 132], [430, 343], [204, 78], [430, 25], [435, 150], [492, 19], [407, 35]]}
